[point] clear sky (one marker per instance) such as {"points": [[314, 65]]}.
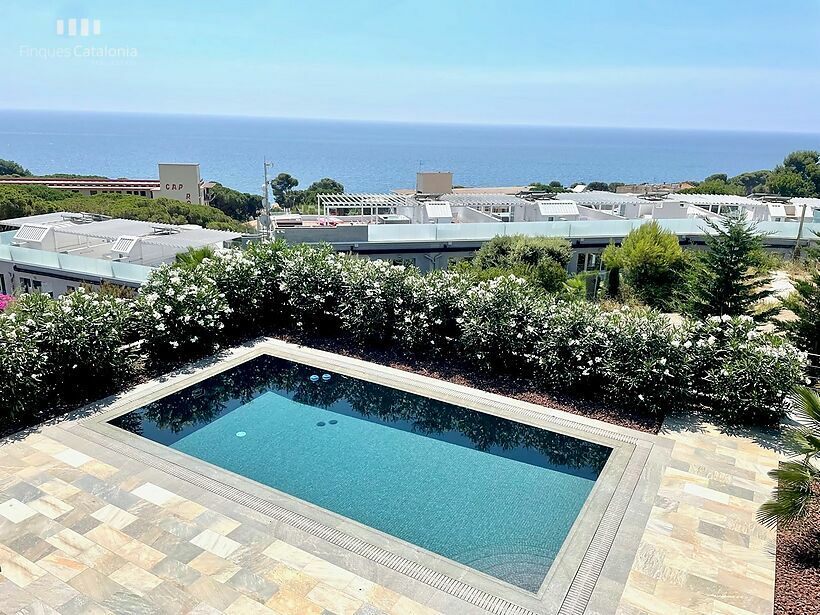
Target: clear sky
{"points": [[716, 64]]}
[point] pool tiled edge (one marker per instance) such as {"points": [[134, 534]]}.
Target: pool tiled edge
{"points": [[583, 560]]}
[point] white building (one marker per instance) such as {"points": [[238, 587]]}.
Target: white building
{"points": [[56, 252]]}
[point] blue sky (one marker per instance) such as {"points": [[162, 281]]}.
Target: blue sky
{"points": [[718, 64]]}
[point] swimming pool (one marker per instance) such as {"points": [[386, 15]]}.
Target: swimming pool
{"points": [[488, 492]]}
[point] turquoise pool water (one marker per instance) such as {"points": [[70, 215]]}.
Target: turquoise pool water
{"points": [[492, 494]]}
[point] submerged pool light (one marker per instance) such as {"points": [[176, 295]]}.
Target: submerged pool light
{"points": [[314, 378], [241, 434], [325, 377]]}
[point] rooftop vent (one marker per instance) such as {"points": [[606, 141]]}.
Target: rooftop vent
{"points": [[31, 233], [124, 244]]}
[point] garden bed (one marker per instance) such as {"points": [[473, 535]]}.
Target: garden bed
{"points": [[797, 570]]}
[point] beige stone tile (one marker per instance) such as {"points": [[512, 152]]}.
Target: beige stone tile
{"points": [[108, 537], [140, 554], [285, 576], [245, 606], [189, 511], [290, 555], [114, 516], [135, 578], [59, 488], [50, 506], [215, 543], [19, 570], [214, 566], [99, 469], [15, 511], [156, 495], [334, 600], [290, 602], [46, 445], [71, 457], [61, 565], [219, 523], [70, 542], [329, 574], [405, 606]]}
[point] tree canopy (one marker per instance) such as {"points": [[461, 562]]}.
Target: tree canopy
{"points": [[238, 205], [9, 167], [282, 187], [731, 277], [16, 201], [652, 261]]}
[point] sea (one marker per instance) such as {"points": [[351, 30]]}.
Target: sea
{"points": [[378, 156]]}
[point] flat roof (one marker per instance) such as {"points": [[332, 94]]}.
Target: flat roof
{"points": [[93, 183], [180, 236]]}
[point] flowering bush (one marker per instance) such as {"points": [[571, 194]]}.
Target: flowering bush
{"points": [[240, 281], [310, 283], [739, 373], [498, 324], [373, 297], [181, 313], [80, 341], [75, 347], [21, 370], [4, 301], [432, 311]]}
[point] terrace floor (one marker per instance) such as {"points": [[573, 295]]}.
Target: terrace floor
{"points": [[702, 550], [85, 529]]}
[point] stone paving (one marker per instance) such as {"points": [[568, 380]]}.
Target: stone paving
{"points": [[86, 530], [81, 536], [702, 550]]}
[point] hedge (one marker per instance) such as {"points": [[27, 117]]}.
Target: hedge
{"points": [[506, 326]]}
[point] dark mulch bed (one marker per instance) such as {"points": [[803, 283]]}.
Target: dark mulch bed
{"points": [[797, 570], [451, 370]]}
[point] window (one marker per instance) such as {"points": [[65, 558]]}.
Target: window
{"points": [[92, 192], [25, 284], [3, 284]]}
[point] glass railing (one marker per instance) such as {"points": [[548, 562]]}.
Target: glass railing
{"points": [[82, 265], [578, 229]]}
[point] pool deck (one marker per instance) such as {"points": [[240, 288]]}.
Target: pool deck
{"points": [[702, 550], [85, 528]]}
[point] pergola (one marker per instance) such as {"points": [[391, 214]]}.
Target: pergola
{"points": [[364, 203]]}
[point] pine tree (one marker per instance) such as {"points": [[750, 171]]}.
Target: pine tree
{"points": [[805, 304], [731, 277]]}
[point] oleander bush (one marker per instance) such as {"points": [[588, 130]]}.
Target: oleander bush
{"points": [[4, 301], [432, 312], [497, 330], [180, 313], [79, 345], [506, 325]]}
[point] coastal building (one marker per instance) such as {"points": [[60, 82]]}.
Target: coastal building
{"points": [[650, 188], [180, 181], [57, 252]]}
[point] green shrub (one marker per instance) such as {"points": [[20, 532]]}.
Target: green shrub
{"points": [[652, 262], [80, 339], [372, 299], [498, 329], [181, 314], [310, 282], [430, 318]]}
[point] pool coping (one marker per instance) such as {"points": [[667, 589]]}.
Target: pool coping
{"points": [[585, 558]]}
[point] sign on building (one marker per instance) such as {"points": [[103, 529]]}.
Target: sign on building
{"points": [[180, 181]]}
